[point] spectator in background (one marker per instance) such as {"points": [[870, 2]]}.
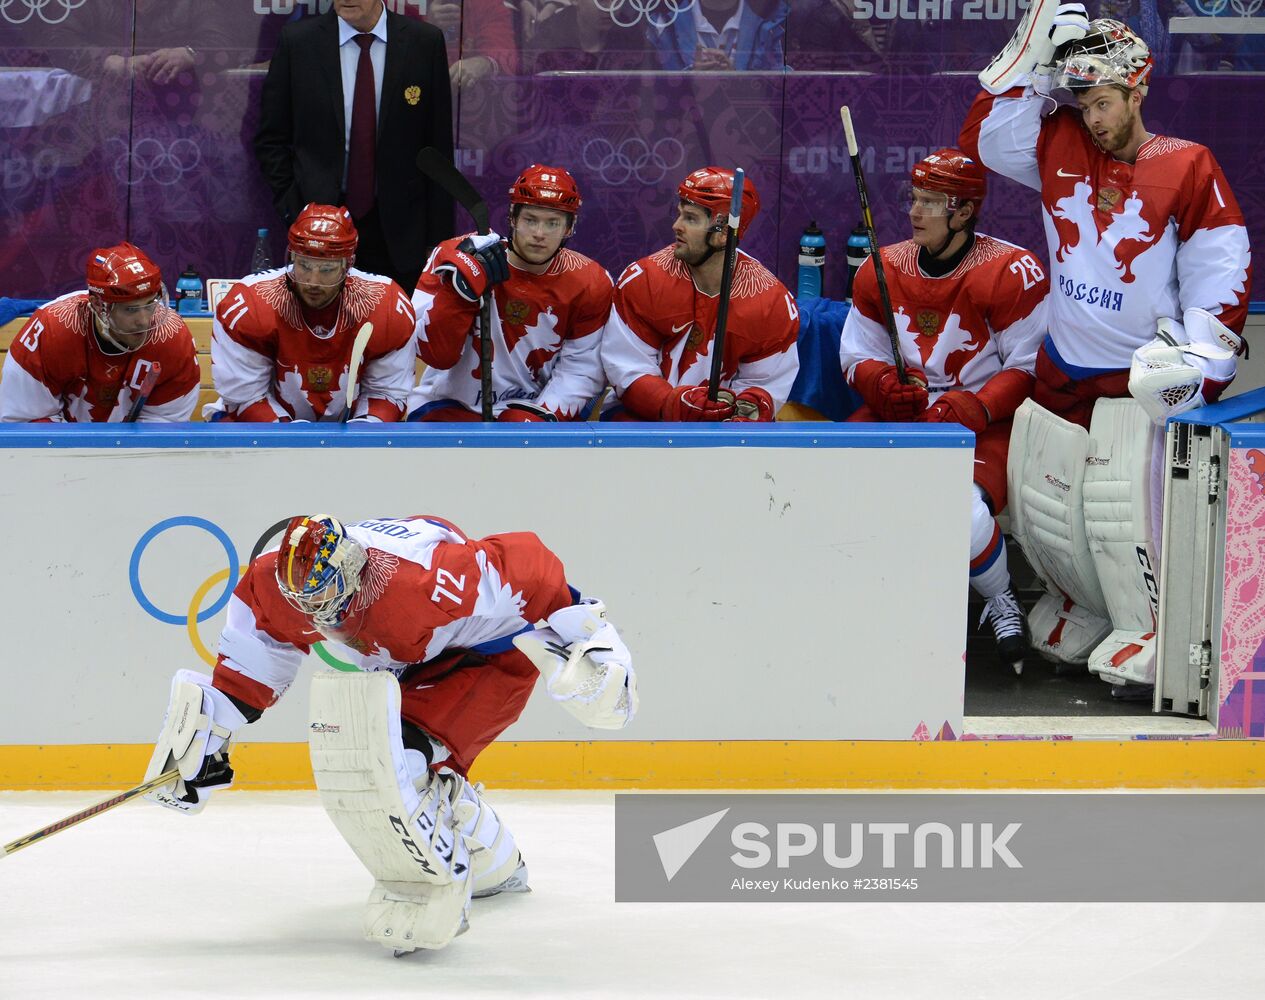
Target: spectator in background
{"points": [[721, 35], [827, 35], [350, 99], [480, 45], [584, 36]]}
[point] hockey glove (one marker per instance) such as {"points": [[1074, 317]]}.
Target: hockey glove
{"points": [[958, 406], [690, 404], [473, 264], [751, 406], [526, 413], [883, 392], [200, 723]]}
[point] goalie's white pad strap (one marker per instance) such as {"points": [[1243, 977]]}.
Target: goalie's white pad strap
{"points": [[1118, 512], [494, 855], [1045, 475], [1125, 655], [1029, 47], [1062, 630]]}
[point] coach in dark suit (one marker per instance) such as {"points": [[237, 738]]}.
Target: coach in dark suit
{"points": [[350, 98]]}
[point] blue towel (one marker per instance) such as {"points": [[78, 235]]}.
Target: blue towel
{"points": [[820, 383], [11, 308]]}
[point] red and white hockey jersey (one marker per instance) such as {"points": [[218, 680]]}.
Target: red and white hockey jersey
{"points": [[425, 588], [987, 315], [546, 332], [1128, 243], [268, 364], [56, 371], [661, 326]]}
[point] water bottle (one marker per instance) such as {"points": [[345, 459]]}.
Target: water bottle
{"points": [[189, 292], [858, 250], [812, 262], [261, 260]]}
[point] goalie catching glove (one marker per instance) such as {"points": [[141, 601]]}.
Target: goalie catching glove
{"points": [[197, 729], [587, 668], [473, 264], [1185, 366]]}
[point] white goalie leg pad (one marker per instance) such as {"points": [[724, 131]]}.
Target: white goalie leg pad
{"points": [[406, 835], [1045, 476], [200, 722], [1118, 487], [587, 668], [494, 857], [1064, 631]]}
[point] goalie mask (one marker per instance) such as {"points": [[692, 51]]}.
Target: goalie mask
{"points": [[1110, 54], [318, 568], [126, 297]]}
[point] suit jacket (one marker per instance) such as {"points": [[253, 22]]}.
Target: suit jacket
{"points": [[300, 142]]}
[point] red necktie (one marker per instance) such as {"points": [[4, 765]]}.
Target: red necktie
{"points": [[364, 135]]}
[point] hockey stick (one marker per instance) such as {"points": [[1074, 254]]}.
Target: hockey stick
{"points": [[867, 218], [445, 173], [100, 807], [142, 394], [353, 369], [726, 284]]}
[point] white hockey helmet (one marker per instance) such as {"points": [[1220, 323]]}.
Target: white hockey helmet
{"points": [[1110, 53]]}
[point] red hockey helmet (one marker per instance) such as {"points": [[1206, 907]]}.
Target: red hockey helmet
{"points": [[953, 173], [123, 273], [1110, 53], [323, 231], [318, 568], [546, 187], [711, 188]]}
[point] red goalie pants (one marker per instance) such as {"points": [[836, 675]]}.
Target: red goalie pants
{"points": [[991, 448], [465, 700]]}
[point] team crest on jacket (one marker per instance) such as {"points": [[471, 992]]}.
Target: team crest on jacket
{"points": [[319, 377], [928, 321], [109, 394], [1108, 199], [516, 311], [413, 94], [695, 338]]}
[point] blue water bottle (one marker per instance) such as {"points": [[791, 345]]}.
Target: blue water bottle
{"points": [[812, 262], [189, 292], [858, 250]]}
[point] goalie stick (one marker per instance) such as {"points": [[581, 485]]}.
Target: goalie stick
{"points": [[445, 173], [353, 370], [142, 394], [96, 810], [726, 284], [867, 219]]}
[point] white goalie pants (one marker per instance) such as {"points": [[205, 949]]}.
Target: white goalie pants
{"points": [[1084, 507], [428, 837]]}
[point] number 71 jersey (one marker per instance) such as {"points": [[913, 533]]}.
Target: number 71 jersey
{"points": [[961, 329]]}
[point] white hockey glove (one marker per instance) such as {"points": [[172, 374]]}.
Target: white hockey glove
{"points": [[587, 668], [1043, 30], [1168, 373], [197, 729]]}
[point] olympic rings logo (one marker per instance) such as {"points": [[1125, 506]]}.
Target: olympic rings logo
{"points": [[1248, 9], [648, 9], [633, 158], [36, 7], [195, 613], [149, 158]]}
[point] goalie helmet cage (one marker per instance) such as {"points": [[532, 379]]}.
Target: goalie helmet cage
{"points": [[1197, 595]]}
